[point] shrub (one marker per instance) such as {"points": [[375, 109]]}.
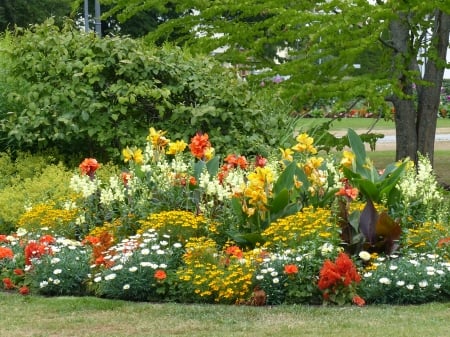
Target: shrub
{"points": [[72, 90]]}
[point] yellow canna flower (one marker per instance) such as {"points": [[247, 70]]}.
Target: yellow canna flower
{"points": [[209, 153], [177, 147], [157, 138], [133, 155], [348, 158], [286, 154], [304, 144]]}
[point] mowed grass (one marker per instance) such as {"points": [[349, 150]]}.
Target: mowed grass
{"points": [[94, 317]]}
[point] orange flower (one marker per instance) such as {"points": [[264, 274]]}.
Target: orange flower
{"points": [[443, 242], [199, 145], [125, 177], [3, 238], [47, 239], [89, 166], [7, 283], [235, 251], [329, 275], [24, 290], [290, 269], [351, 193], [160, 275], [358, 300], [19, 272], [6, 253], [260, 161]]}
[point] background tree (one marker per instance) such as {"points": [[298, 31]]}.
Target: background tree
{"points": [[25, 12], [321, 43]]}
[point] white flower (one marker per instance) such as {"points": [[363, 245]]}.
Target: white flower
{"points": [[56, 281], [326, 248], [163, 243], [368, 274], [145, 251], [364, 255], [160, 252], [117, 267], [97, 279], [146, 264], [126, 286], [57, 271], [259, 277], [155, 247], [110, 277], [437, 285], [393, 267], [43, 284], [21, 231], [423, 284], [55, 260], [400, 283], [274, 273], [384, 280], [275, 280], [163, 266], [264, 271], [410, 286], [177, 245], [133, 269]]}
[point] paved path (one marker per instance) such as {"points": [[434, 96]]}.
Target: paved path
{"points": [[442, 140]]}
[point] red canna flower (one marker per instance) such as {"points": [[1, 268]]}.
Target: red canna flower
{"points": [[89, 166], [6, 253], [3, 238], [160, 275], [260, 161], [125, 177], [291, 269], [24, 290]]}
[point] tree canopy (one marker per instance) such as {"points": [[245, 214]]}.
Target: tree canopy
{"points": [[24, 12], [389, 53]]}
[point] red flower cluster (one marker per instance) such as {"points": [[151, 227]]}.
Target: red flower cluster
{"points": [[34, 250], [348, 191], [199, 145], [338, 277], [89, 166], [260, 161], [234, 251]]}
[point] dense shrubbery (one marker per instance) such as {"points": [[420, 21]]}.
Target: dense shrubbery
{"points": [[66, 89]]}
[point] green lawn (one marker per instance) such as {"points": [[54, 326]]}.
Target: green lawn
{"points": [[93, 317]]}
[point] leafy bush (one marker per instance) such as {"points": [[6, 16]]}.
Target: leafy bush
{"points": [[31, 180], [75, 91]]}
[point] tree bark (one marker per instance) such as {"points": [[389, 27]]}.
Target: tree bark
{"points": [[416, 115], [429, 95]]}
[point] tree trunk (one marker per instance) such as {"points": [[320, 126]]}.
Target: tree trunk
{"points": [[416, 118], [429, 95]]}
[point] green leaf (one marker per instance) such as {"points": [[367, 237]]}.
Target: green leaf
{"points": [[358, 147]]}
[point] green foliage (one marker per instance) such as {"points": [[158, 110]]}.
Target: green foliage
{"points": [[75, 91], [32, 180]]}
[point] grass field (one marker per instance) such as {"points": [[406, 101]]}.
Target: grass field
{"points": [[93, 317]]}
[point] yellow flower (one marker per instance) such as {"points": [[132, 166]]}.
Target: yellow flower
{"points": [[348, 158], [133, 155], [304, 144], [157, 138], [177, 147], [209, 153], [286, 154]]}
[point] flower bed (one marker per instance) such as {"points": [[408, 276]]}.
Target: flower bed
{"points": [[303, 226]]}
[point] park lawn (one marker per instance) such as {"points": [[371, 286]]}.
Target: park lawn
{"points": [[94, 317]]}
